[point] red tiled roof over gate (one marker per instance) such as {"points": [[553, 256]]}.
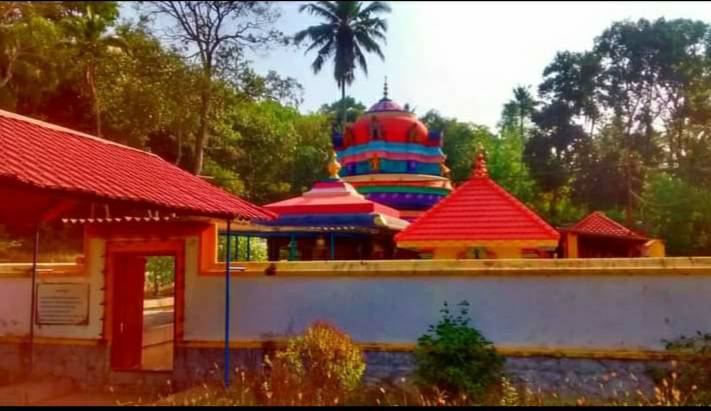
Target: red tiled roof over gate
{"points": [[478, 210], [597, 223], [47, 156]]}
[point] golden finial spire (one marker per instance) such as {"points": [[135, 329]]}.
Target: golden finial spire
{"points": [[480, 170], [334, 166], [385, 89]]}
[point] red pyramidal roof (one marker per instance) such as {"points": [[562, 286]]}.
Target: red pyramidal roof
{"points": [[332, 196], [597, 223], [46, 156], [478, 211]]}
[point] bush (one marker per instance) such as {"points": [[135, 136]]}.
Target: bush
{"points": [[323, 366], [455, 358], [693, 375]]}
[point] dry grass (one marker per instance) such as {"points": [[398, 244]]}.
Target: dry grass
{"points": [[252, 390]]}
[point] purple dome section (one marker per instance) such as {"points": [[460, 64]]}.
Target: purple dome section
{"points": [[385, 104], [405, 201]]}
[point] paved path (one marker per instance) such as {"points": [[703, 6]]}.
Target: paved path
{"points": [[79, 398], [154, 318]]}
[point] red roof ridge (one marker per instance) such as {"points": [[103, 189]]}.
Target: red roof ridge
{"points": [[460, 190], [418, 221], [50, 157], [55, 127], [536, 218], [579, 226]]}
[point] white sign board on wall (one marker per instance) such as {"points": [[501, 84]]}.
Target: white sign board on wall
{"points": [[62, 304]]}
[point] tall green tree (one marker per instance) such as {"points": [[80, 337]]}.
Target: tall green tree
{"points": [[353, 109], [87, 35], [216, 33], [503, 153], [525, 105], [148, 95], [349, 28], [29, 35], [678, 212]]}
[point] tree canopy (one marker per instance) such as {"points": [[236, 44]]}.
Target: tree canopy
{"points": [[624, 127]]}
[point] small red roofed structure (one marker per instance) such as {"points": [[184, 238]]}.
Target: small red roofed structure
{"points": [[480, 220], [331, 212], [133, 205], [598, 236], [46, 162]]}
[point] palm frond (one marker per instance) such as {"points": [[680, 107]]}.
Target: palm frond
{"points": [[325, 52], [375, 24], [319, 9], [375, 8], [319, 42], [368, 43], [351, 29], [331, 6], [317, 64], [361, 58], [315, 33], [348, 10]]}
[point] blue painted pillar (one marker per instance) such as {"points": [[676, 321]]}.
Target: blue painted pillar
{"points": [[227, 304], [333, 246], [292, 248]]}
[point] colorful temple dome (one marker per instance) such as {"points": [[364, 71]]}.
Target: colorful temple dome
{"points": [[389, 156]]}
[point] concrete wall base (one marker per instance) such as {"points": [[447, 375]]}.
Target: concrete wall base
{"points": [[567, 377], [88, 367]]}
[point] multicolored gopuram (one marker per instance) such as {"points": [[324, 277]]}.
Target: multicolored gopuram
{"points": [[389, 156]]}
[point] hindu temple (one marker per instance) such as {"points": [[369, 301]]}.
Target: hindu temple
{"points": [[391, 158], [332, 221], [480, 219]]}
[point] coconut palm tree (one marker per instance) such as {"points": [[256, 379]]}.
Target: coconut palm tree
{"points": [[88, 35], [349, 29], [525, 105]]}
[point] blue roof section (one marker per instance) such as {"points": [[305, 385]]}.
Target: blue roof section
{"points": [[392, 167], [323, 220], [392, 147]]}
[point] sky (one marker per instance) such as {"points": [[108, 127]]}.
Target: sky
{"points": [[462, 58]]}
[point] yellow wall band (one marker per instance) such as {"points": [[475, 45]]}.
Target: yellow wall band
{"points": [[509, 351]]}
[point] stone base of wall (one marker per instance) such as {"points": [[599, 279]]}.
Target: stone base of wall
{"points": [[571, 377], [206, 365], [567, 377], [89, 367], [583, 376], [13, 362]]}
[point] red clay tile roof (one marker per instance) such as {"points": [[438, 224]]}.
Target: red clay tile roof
{"points": [[331, 197], [47, 156], [478, 210], [597, 223]]}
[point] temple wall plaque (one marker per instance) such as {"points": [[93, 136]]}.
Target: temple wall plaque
{"points": [[62, 304]]}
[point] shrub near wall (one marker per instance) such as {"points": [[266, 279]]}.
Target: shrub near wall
{"points": [[455, 359], [321, 367]]}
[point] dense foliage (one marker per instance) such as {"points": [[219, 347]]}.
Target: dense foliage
{"points": [[624, 127], [160, 277], [133, 86], [455, 358]]}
